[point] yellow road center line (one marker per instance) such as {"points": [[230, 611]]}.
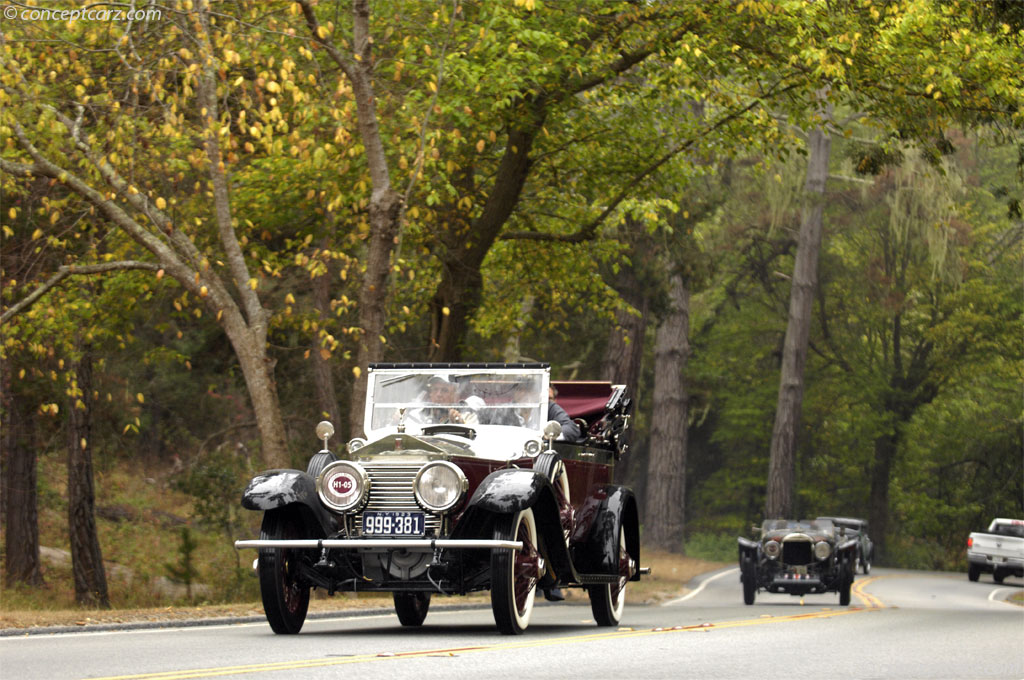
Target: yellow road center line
{"points": [[867, 598], [364, 658]]}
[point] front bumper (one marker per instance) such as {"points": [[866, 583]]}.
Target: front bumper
{"points": [[412, 544], [799, 584]]}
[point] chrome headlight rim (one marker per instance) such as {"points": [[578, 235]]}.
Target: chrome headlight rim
{"points": [[772, 549], [358, 475], [460, 487], [822, 550]]}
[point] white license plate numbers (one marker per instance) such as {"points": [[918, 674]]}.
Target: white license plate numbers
{"points": [[385, 523]]}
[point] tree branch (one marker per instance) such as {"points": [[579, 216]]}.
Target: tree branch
{"points": [[72, 270], [589, 230]]}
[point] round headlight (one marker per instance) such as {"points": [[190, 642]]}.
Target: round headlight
{"points": [[531, 448], [822, 550], [439, 486], [772, 549], [343, 486]]}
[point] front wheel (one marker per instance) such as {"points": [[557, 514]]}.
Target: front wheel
{"points": [[608, 600], [515, 573], [411, 607], [318, 462], [846, 584], [748, 574], [285, 596]]}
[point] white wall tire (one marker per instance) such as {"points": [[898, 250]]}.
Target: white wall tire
{"points": [[515, 573]]}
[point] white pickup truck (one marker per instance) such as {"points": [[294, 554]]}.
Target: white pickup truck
{"points": [[999, 551]]}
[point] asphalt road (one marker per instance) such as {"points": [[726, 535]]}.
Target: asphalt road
{"points": [[902, 624]]}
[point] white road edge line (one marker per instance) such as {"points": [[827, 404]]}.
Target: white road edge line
{"points": [[686, 597], [992, 595]]}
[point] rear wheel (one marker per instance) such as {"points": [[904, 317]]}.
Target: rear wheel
{"points": [[998, 575], [285, 596], [515, 573], [552, 467], [608, 600], [973, 572], [411, 607]]}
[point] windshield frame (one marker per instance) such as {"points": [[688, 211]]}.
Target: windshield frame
{"points": [[489, 391]]}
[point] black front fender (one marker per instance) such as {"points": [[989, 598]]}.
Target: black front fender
{"points": [[748, 547], [508, 491], [616, 512], [279, 488]]}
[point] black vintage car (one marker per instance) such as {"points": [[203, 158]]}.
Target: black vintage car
{"points": [[857, 528], [798, 557], [462, 485]]}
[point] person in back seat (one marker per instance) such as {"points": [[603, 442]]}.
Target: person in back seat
{"points": [[570, 430]]}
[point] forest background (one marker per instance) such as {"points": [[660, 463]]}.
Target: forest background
{"points": [[792, 228]]}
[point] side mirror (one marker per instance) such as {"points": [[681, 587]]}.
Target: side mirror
{"points": [[552, 431], [324, 431]]}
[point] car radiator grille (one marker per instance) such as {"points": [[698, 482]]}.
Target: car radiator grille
{"points": [[391, 488], [797, 552]]}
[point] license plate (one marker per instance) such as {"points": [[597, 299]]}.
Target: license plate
{"points": [[387, 523]]}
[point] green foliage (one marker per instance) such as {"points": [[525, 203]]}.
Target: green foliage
{"points": [[215, 482], [711, 547], [184, 570]]}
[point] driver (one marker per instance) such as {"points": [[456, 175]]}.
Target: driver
{"points": [[441, 391]]}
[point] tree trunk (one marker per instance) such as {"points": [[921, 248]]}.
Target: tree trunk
{"points": [[782, 461], [386, 205], [323, 376], [20, 505], [385, 212], [466, 248], [625, 351], [621, 365], [86, 557], [249, 335], [878, 504], [666, 472]]}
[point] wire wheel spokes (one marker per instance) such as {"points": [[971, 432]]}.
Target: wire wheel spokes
{"points": [[285, 595], [565, 511]]}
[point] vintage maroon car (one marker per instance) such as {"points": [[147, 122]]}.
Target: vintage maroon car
{"points": [[461, 485]]}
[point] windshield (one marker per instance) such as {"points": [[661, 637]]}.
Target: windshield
{"points": [[491, 397], [820, 525]]}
